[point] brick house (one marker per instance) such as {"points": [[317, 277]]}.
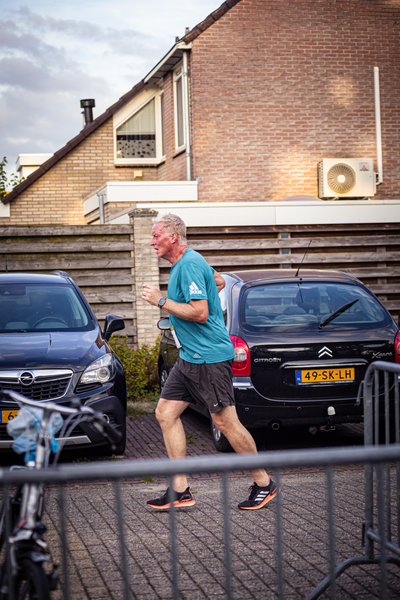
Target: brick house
{"points": [[236, 118]]}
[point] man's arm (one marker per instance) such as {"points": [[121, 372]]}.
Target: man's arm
{"points": [[194, 310]]}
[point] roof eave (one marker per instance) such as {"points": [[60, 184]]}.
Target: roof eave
{"points": [[167, 63]]}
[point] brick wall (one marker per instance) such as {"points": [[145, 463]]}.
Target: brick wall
{"points": [[145, 271], [276, 86]]}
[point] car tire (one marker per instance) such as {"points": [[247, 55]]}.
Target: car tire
{"points": [[120, 448], [220, 441], [163, 375], [107, 450]]}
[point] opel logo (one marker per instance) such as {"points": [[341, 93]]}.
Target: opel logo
{"points": [[325, 351], [26, 378]]}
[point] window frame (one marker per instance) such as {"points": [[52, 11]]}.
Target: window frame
{"points": [[178, 75], [128, 111]]}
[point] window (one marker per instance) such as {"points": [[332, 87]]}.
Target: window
{"points": [[42, 307], [138, 130], [178, 106], [136, 138], [302, 307], [162, 124]]}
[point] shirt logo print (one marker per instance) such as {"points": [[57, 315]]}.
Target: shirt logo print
{"points": [[193, 289]]}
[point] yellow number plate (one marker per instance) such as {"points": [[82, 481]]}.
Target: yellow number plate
{"points": [[8, 415], [325, 375]]}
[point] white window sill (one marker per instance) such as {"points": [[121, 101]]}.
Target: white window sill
{"points": [[138, 162]]}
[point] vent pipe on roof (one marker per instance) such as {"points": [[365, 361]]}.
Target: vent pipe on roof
{"points": [[87, 106]]}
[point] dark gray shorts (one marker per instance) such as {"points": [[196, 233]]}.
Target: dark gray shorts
{"points": [[206, 384]]}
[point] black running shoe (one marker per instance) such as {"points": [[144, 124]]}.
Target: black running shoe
{"points": [[180, 499], [259, 496]]}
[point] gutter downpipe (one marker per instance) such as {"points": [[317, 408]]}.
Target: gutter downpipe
{"points": [[378, 131], [185, 76], [101, 207]]}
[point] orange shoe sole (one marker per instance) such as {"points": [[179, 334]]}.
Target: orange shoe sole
{"points": [[177, 504]]}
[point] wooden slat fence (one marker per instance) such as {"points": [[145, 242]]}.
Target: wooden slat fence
{"points": [[369, 252], [99, 258]]}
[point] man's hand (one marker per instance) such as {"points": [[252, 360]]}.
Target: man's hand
{"points": [[219, 281], [151, 294]]}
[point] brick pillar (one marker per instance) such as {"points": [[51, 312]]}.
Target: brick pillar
{"points": [[145, 271]]}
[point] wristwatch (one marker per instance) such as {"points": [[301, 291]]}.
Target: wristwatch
{"points": [[161, 302]]}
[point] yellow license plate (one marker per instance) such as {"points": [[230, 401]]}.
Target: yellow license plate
{"points": [[306, 376], [8, 415]]}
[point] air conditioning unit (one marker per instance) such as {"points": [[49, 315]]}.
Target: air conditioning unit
{"points": [[346, 178]]}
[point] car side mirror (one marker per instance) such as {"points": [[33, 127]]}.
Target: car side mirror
{"points": [[164, 324], [111, 325]]}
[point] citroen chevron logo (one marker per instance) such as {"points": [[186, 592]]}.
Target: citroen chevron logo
{"points": [[325, 351]]}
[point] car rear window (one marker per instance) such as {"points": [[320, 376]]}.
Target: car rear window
{"points": [[42, 307], [304, 306]]}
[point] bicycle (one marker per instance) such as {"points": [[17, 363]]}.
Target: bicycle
{"points": [[26, 553]]}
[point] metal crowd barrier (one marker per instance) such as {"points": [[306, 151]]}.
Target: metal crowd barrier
{"points": [[373, 455], [380, 395]]}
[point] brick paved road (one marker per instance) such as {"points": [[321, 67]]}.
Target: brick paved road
{"points": [[144, 439], [94, 557], [94, 563]]}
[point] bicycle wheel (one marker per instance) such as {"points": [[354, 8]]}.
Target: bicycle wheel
{"points": [[32, 582]]}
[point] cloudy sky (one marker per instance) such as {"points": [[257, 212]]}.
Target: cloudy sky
{"points": [[54, 53]]}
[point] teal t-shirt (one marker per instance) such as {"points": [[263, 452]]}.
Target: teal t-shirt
{"points": [[191, 278]]}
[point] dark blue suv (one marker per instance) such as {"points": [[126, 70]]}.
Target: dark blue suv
{"points": [[52, 348]]}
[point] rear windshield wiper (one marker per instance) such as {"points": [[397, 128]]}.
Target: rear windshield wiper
{"points": [[336, 313]]}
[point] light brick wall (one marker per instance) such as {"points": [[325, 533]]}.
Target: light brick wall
{"points": [[146, 271], [276, 86], [57, 197]]}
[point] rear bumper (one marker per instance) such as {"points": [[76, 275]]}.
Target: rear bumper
{"points": [[256, 411]]}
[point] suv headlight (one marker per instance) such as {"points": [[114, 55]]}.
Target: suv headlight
{"points": [[100, 371]]}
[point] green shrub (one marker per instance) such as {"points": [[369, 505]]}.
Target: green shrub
{"points": [[140, 367]]}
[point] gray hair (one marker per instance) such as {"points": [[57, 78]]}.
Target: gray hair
{"points": [[173, 224]]}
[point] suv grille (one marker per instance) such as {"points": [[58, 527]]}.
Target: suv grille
{"points": [[48, 390], [46, 385]]}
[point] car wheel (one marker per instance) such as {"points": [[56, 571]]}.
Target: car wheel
{"points": [[107, 450], [163, 375], [220, 441], [120, 449]]}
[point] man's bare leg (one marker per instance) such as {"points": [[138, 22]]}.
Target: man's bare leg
{"points": [[239, 438], [168, 413]]}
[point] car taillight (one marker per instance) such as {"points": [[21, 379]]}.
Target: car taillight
{"points": [[241, 362], [397, 347]]}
